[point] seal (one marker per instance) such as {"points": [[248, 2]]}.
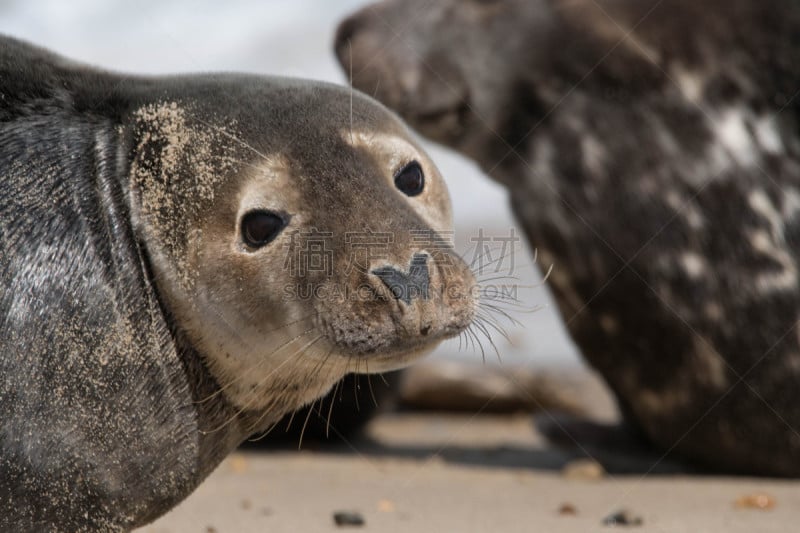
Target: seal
{"points": [[184, 260], [653, 158]]}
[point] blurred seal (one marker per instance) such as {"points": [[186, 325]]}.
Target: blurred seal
{"points": [[653, 155], [180, 265]]}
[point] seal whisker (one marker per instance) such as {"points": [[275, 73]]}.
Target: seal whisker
{"points": [[481, 325], [488, 315], [490, 294], [463, 254], [261, 382], [369, 385], [510, 304], [512, 301], [330, 408], [289, 423], [477, 340], [357, 386], [496, 278], [237, 161], [495, 314], [498, 261], [487, 320], [276, 401], [524, 286], [466, 340], [305, 424], [377, 86], [483, 266], [314, 373], [547, 274], [479, 258], [350, 46], [261, 361], [264, 434], [463, 339], [476, 343], [494, 308], [309, 377], [232, 137]]}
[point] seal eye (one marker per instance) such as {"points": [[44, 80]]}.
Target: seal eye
{"points": [[410, 179], [261, 227]]}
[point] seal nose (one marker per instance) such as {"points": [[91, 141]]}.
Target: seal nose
{"points": [[410, 285]]}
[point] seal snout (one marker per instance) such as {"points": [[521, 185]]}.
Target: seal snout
{"points": [[406, 286]]}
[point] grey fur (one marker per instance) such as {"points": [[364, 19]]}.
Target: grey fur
{"points": [[118, 213], [652, 149]]}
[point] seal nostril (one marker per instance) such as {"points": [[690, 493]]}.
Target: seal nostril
{"points": [[406, 286], [395, 280], [425, 330]]}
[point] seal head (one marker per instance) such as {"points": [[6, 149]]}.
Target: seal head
{"points": [[306, 240], [183, 260]]}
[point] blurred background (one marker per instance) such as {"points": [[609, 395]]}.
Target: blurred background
{"points": [[289, 38]]}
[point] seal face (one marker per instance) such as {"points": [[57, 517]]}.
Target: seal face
{"points": [[184, 260], [657, 169], [295, 259]]}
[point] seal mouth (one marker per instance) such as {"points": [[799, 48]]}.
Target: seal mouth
{"points": [[392, 347], [393, 351], [390, 356]]}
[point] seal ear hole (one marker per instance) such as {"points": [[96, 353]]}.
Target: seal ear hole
{"points": [[410, 180], [260, 227]]}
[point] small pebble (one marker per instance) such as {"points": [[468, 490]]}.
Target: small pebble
{"points": [[761, 501], [623, 518], [583, 469], [386, 506], [348, 519], [567, 509], [237, 463]]}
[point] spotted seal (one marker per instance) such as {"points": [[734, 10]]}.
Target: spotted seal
{"points": [[182, 263], [653, 157]]}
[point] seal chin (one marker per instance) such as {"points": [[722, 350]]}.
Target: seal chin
{"points": [[389, 359]]}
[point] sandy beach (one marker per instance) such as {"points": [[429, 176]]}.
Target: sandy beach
{"points": [[426, 472]]}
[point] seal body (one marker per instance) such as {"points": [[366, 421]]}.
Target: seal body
{"points": [[161, 294], [653, 157]]}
